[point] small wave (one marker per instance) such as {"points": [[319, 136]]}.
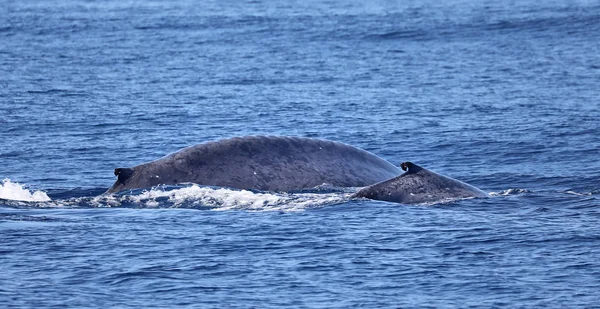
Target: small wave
{"points": [[509, 192], [16, 192], [577, 193], [590, 193]]}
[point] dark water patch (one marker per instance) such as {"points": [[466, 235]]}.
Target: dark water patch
{"points": [[416, 34], [569, 23], [248, 24], [11, 154], [49, 91], [74, 193], [57, 91], [6, 217], [543, 209]]}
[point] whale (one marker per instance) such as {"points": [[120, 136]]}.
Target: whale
{"points": [[285, 164], [419, 185], [266, 163]]}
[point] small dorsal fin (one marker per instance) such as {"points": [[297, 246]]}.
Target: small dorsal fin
{"points": [[410, 167], [123, 173]]}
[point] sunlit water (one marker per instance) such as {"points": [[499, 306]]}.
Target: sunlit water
{"points": [[503, 96]]}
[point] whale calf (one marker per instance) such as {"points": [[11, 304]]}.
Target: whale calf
{"points": [[419, 185], [276, 163]]}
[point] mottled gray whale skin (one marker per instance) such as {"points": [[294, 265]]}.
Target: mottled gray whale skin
{"points": [[266, 163], [419, 185]]}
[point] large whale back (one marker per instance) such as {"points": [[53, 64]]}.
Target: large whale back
{"points": [[261, 163]]}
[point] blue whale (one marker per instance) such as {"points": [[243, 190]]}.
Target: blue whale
{"points": [[275, 163]]}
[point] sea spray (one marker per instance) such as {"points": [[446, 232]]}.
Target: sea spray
{"points": [[14, 191]]}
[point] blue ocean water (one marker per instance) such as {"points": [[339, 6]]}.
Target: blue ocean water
{"points": [[500, 94]]}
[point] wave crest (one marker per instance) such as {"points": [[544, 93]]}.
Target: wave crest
{"points": [[509, 192]]}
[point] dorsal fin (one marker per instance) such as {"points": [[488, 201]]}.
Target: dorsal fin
{"points": [[123, 173], [410, 168]]}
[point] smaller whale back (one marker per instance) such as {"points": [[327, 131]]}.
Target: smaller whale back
{"points": [[419, 185]]}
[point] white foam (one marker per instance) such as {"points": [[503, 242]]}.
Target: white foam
{"points": [[16, 192], [228, 199], [509, 192]]}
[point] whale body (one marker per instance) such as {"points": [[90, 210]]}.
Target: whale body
{"points": [[419, 185], [267, 163], [275, 163]]}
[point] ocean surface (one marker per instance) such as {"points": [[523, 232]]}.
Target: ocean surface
{"points": [[503, 95]]}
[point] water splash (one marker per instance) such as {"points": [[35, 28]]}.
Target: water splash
{"points": [[16, 192], [195, 196]]}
